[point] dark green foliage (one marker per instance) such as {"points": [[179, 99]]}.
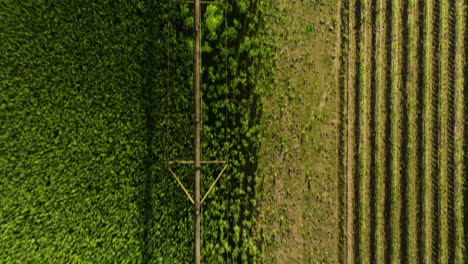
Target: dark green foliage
{"points": [[230, 212], [95, 97], [72, 131], [170, 113]]}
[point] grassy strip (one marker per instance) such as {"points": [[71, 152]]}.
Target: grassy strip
{"points": [[428, 144], [444, 133], [413, 157], [396, 117], [365, 40], [352, 141], [381, 130], [460, 167]]}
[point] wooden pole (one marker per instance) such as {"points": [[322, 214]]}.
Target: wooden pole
{"points": [[196, 85], [197, 139]]}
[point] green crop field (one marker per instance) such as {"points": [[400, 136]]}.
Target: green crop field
{"points": [[95, 98], [343, 123], [403, 128]]}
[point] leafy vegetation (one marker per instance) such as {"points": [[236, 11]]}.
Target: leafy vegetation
{"points": [[231, 47], [72, 131], [96, 97]]}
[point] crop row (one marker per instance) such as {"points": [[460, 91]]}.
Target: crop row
{"points": [[403, 131]]}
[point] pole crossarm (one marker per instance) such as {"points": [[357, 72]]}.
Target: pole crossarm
{"points": [[214, 183], [202, 162], [181, 185]]}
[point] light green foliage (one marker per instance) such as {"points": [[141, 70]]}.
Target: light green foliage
{"points": [[214, 19], [230, 84], [72, 131]]}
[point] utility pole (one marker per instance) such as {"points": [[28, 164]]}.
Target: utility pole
{"points": [[197, 140]]}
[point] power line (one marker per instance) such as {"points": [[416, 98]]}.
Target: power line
{"points": [[197, 162]]}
